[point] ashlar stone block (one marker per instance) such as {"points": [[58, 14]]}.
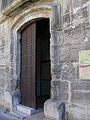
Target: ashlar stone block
{"points": [[56, 16], [54, 110]]}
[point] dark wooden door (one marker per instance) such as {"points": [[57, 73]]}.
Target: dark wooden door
{"points": [[28, 63]]}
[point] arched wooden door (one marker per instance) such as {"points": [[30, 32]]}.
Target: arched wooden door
{"points": [[28, 66], [35, 64]]}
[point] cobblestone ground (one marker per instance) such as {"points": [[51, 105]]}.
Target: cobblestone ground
{"points": [[38, 116]]}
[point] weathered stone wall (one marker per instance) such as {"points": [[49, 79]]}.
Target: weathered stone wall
{"points": [[74, 38], [69, 35], [10, 27], [5, 67]]}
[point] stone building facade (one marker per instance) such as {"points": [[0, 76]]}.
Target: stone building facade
{"points": [[69, 34]]}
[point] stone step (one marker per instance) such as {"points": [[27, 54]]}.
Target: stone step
{"points": [[23, 112], [25, 109]]}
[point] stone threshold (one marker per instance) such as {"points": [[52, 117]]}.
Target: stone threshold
{"points": [[22, 112], [25, 109]]}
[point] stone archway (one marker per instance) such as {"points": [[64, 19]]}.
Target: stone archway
{"points": [[53, 13], [35, 64], [15, 46]]}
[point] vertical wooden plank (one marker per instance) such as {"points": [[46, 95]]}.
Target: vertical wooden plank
{"points": [[34, 64]]}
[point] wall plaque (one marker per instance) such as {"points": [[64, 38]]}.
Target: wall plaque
{"points": [[84, 64]]}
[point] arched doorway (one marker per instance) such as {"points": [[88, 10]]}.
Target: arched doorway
{"points": [[35, 63]]}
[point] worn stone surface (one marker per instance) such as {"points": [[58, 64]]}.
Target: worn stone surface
{"points": [[70, 33], [54, 110], [68, 72], [82, 114], [4, 116], [59, 90], [80, 97], [25, 109], [80, 85], [56, 16]]}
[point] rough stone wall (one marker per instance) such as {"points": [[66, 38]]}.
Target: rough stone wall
{"points": [[71, 37], [9, 51], [5, 68], [74, 38]]}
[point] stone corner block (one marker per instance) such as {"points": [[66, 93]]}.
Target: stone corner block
{"points": [[54, 109]]}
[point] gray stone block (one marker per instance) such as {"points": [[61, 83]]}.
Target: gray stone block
{"points": [[55, 35], [64, 96], [89, 13], [74, 52], [4, 77], [80, 85], [68, 72], [76, 4], [2, 100], [64, 54], [75, 112], [5, 99], [56, 16], [55, 90], [80, 97], [54, 110], [26, 110], [64, 86], [55, 54], [66, 18], [59, 90], [56, 71], [16, 98]]}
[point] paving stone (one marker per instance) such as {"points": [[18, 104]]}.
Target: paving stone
{"points": [[4, 116], [38, 116]]}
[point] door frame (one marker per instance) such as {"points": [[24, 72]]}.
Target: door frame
{"points": [[34, 13], [17, 27]]}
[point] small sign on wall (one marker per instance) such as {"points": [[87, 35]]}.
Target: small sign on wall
{"points": [[84, 64]]}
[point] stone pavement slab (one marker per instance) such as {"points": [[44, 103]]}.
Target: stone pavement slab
{"points": [[37, 116], [4, 116]]}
